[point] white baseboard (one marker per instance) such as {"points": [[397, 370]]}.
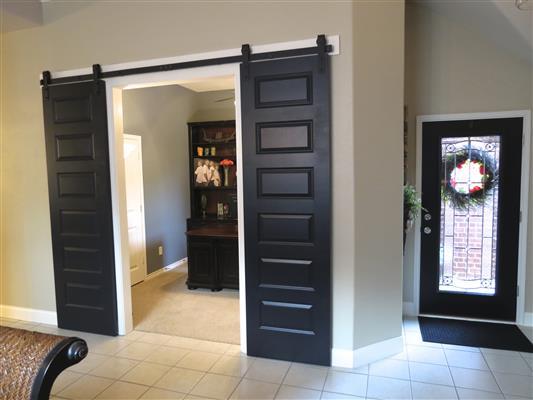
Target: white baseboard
{"points": [[169, 267], [365, 355], [527, 325], [377, 351], [528, 319], [342, 358], [29, 314], [409, 309]]}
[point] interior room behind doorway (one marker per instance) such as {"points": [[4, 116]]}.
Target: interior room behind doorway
{"points": [[162, 302]]}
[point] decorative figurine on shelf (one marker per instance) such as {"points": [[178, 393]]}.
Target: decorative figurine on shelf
{"points": [[226, 210], [200, 151], [220, 210], [213, 174], [203, 205], [206, 152], [201, 173], [213, 150], [226, 164]]}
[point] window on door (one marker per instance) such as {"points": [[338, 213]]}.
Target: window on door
{"points": [[469, 214]]}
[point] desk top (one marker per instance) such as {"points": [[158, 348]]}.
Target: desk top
{"points": [[229, 232]]}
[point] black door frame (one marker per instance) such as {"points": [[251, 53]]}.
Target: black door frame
{"points": [[522, 248], [283, 50]]}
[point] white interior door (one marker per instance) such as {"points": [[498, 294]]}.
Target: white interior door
{"points": [[135, 206]]}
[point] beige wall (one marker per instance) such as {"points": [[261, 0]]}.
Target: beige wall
{"points": [[378, 144], [79, 34], [529, 276], [451, 69]]}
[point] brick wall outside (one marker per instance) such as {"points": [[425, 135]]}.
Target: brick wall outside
{"points": [[473, 230]]}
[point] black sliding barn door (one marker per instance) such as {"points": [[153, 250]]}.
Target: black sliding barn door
{"points": [[75, 121], [287, 212]]}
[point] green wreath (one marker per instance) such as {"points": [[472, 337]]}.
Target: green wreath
{"points": [[473, 191]]}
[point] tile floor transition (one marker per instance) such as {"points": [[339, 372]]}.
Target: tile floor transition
{"points": [[154, 366]]}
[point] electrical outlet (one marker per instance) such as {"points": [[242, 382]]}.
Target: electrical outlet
{"points": [[160, 250]]}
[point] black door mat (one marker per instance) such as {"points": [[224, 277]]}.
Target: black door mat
{"points": [[474, 334]]}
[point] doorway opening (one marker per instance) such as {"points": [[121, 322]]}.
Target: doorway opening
{"points": [[166, 112], [180, 151]]}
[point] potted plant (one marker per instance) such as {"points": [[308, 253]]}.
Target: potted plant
{"points": [[412, 205]]}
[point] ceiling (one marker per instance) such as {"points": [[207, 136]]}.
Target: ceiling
{"points": [[499, 21], [211, 84]]}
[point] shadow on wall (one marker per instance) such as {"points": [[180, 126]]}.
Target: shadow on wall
{"points": [[22, 15], [155, 260], [25, 14]]}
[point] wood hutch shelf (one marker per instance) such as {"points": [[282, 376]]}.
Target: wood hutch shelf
{"points": [[212, 244]]}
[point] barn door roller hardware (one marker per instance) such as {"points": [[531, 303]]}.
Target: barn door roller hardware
{"points": [[321, 44], [47, 76], [246, 56], [246, 53], [97, 74]]}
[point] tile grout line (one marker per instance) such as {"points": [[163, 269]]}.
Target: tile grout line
{"points": [[283, 379], [451, 375], [367, 382], [409, 373], [241, 378], [71, 383], [325, 380], [492, 373]]}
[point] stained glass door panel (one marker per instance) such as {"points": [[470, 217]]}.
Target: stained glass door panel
{"points": [[469, 229], [469, 214]]}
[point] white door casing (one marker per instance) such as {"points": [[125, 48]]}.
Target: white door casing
{"points": [[135, 207]]}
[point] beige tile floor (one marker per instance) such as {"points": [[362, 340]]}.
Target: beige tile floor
{"points": [[154, 366]]}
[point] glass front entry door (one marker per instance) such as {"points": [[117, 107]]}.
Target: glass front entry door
{"points": [[471, 198]]}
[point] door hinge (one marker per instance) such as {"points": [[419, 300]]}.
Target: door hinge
{"points": [[517, 291], [520, 217]]}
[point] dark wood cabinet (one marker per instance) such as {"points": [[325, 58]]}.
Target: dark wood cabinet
{"points": [[227, 260], [212, 244], [201, 263], [213, 258]]}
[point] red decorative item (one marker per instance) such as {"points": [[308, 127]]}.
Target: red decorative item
{"points": [[226, 164]]}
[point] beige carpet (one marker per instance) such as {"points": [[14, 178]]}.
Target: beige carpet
{"points": [[163, 304]]}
